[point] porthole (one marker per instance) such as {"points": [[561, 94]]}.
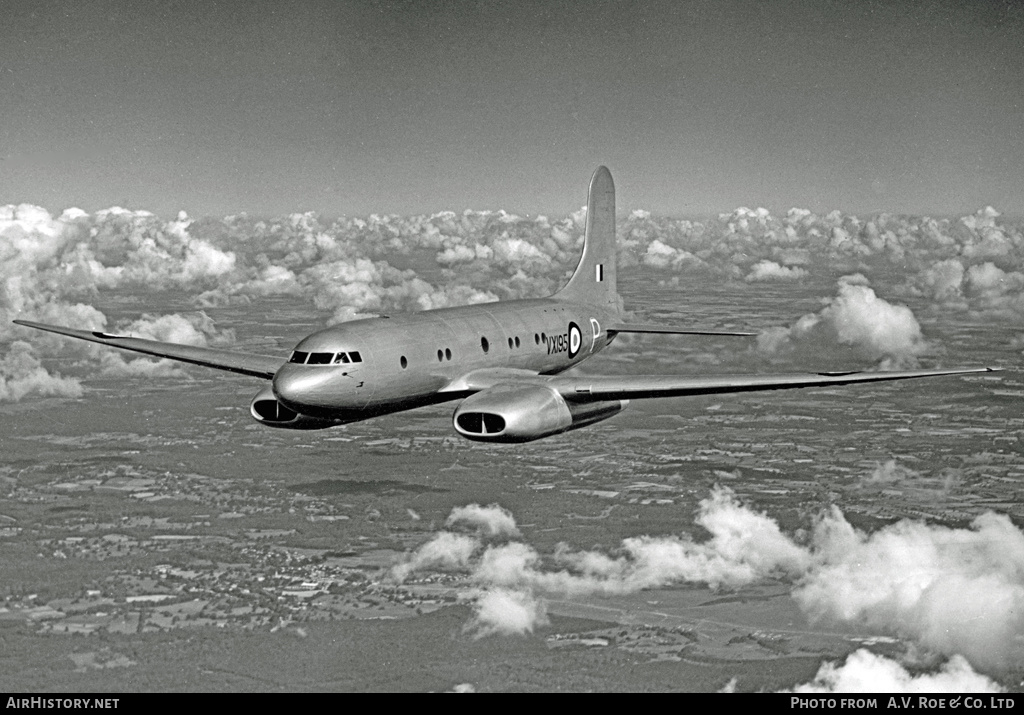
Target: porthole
{"points": [[484, 345], [440, 355], [536, 338], [448, 353], [544, 338], [510, 343], [404, 362], [517, 341]]}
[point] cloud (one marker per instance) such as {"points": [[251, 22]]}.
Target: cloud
{"points": [[21, 374], [950, 591], [445, 551], [856, 319], [490, 521], [767, 270], [745, 546], [942, 281], [501, 611], [866, 672]]}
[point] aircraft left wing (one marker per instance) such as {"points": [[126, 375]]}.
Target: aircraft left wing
{"points": [[626, 387], [253, 365]]}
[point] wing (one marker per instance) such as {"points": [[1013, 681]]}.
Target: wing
{"points": [[607, 387], [661, 329], [254, 365]]}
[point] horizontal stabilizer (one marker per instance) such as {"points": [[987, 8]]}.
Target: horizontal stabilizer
{"points": [[253, 365], [665, 330]]}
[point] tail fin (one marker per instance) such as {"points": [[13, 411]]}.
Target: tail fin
{"points": [[594, 278]]}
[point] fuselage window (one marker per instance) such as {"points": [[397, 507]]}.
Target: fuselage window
{"points": [[510, 343], [356, 357], [404, 362], [299, 357], [448, 353], [544, 338], [440, 355], [341, 359], [517, 341], [536, 338], [320, 358], [484, 344]]}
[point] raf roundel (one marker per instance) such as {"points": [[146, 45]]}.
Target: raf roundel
{"points": [[575, 340]]}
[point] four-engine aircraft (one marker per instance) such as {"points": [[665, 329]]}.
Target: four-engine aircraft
{"points": [[502, 362]]}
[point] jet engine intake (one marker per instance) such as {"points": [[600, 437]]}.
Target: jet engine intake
{"points": [[517, 413], [266, 410]]}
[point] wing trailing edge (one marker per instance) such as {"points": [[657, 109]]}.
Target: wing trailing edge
{"points": [[263, 366]]}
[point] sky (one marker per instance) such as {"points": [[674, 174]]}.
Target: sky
{"points": [[354, 108]]}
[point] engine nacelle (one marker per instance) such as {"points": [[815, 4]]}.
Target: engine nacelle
{"points": [[517, 413], [266, 410]]}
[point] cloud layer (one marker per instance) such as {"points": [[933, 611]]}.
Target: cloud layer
{"points": [[954, 592], [56, 268]]}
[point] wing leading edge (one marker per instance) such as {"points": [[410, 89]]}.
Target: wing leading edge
{"points": [[606, 387], [263, 366]]}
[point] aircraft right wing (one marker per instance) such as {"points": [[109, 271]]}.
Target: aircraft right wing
{"points": [[253, 365], [628, 387]]}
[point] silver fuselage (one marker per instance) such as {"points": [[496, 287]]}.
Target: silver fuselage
{"points": [[409, 360]]}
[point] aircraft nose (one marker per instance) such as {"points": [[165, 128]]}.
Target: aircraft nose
{"points": [[298, 387]]}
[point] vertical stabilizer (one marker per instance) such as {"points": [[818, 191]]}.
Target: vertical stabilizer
{"points": [[594, 278]]}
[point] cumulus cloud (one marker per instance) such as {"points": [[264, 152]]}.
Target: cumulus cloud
{"points": [[21, 374], [866, 672], [950, 591], [501, 611], [445, 551], [493, 520], [766, 270], [855, 319]]}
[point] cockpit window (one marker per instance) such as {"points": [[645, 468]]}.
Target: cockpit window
{"points": [[303, 358]]}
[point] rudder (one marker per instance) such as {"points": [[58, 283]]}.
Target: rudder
{"points": [[593, 281]]}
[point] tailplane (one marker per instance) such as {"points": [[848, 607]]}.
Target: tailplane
{"points": [[594, 278]]}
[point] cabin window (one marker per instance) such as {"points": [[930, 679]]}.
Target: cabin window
{"points": [[517, 341], [544, 338], [320, 358], [404, 362], [341, 359], [484, 345], [536, 338], [510, 343], [440, 355], [298, 357], [356, 357], [448, 353]]}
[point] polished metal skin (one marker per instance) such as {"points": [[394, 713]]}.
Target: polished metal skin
{"points": [[502, 361]]}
